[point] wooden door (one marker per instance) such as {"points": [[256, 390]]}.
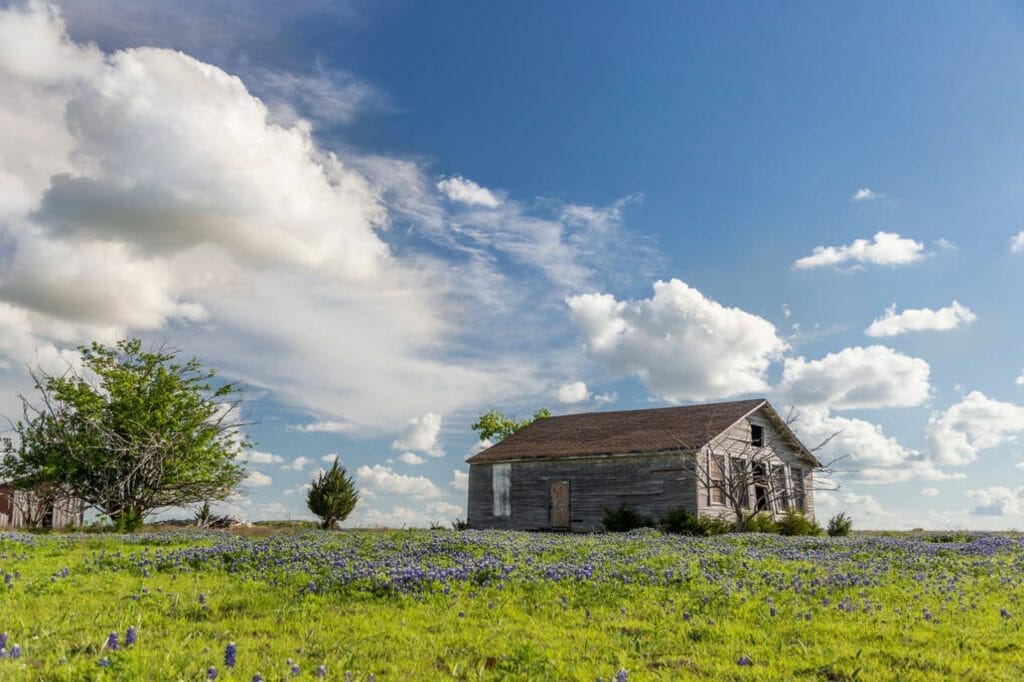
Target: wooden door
{"points": [[560, 504]]}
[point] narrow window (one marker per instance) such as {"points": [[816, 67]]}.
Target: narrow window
{"points": [[756, 435], [716, 484], [779, 492], [796, 476], [501, 487], [739, 485]]}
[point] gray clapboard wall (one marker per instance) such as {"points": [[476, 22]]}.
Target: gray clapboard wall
{"points": [[651, 484]]}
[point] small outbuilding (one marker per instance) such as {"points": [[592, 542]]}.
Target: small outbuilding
{"points": [[26, 509], [565, 473]]}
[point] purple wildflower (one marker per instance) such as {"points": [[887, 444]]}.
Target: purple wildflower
{"points": [[296, 670], [16, 651], [3, 652], [104, 662], [211, 673], [687, 616], [744, 660], [130, 636], [3, 640], [772, 612], [202, 598], [257, 678], [112, 644], [622, 675], [1005, 614], [321, 671], [230, 654]]}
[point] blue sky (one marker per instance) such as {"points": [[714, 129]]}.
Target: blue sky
{"points": [[386, 218]]}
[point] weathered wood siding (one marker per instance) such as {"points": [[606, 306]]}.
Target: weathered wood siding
{"points": [[651, 484], [735, 441], [16, 505]]}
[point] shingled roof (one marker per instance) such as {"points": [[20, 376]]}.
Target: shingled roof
{"points": [[625, 432]]}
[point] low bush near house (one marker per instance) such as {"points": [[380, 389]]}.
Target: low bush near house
{"points": [[795, 523], [762, 523], [681, 522], [624, 519]]}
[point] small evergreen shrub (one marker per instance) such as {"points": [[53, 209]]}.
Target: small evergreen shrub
{"points": [[762, 523], [795, 523], [840, 525], [625, 518], [460, 524]]}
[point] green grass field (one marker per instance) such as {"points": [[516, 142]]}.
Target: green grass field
{"points": [[423, 605]]}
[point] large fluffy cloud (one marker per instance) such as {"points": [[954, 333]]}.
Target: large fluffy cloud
{"points": [[997, 501], [383, 480], [856, 449], [858, 377], [680, 343], [921, 319], [885, 248], [421, 434], [960, 433]]}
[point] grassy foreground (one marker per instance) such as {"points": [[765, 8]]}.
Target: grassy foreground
{"points": [[423, 605]]}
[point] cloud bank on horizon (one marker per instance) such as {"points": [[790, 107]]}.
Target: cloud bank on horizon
{"points": [[367, 298]]}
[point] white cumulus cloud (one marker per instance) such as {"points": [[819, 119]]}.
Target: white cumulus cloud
{"points": [[930, 492], [681, 344], [865, 194], [886, 248], [460, 481], [572, 392], [421, 435], [411, 458], [297, 464], [1017, 242], [257, 457], [995, 501], [257, 479], [383, 480], [921, 319], [960, 433], [857, 377], [463, 191]]}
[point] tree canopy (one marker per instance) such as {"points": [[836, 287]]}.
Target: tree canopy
{"points": [[130, 432], [332, 497], [494, 425]]}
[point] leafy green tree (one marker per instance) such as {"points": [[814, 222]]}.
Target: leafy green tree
{"points": [[131, 432], [494, 425], [332, 496]]}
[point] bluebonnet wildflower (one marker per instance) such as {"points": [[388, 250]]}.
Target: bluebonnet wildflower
{"points": [[202, 598], [772, 612], [296, 670], [112, 644], [104, 662], [622, 675], [744, 660], [3, 640], [1005, 614], [16, 651], [257, 678], [321, 671], [230, 654], [211, 673]]}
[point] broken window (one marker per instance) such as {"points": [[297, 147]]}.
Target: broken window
{"points": [[716, 482], [501, 488], [779, 491], [756, 435], [796, 475], [740, 483]]}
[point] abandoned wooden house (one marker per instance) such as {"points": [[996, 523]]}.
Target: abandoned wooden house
{"points": [[565, 473], [25, 509]]}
